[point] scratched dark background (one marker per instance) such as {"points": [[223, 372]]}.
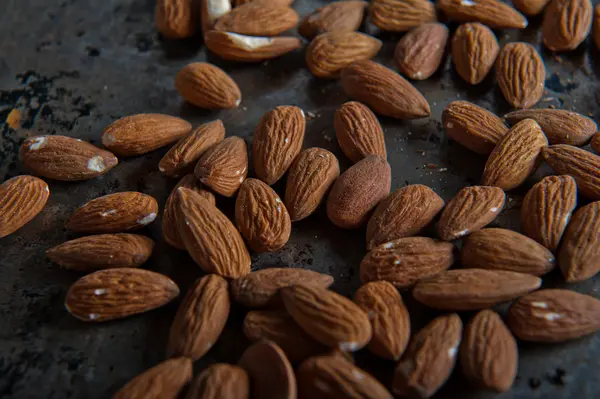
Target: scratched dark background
{"points": [[71, 67]]}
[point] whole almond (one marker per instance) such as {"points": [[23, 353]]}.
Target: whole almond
{"points": [[383, 90], [419, 53], [176, 19], [358, 132], [554, 315], [102, 251], [220, 380], [566, 24], [207, 86], [338, 16], [520, 73], [164, 381], [430, 358], [405, 261], [596, 26], [471, 289], [277, 142], [516, 156], [401, 15], [182, 157], [579, 255], [271, 374], [142, 133], [21, 199], [559, 125], [474, 51], [211, 11], [242, 48], [330, 52], [547, 208], [224, 166], [405, 212], [117, 293], [65, 158], [254, 19], [114, 213], [357, 191], [488, 352], [493, 13], [580, 164], [389, 317], [200, 318], [309, 178], [530, 7], [470, 210], [329, 318], [502, 249], [261, 288]]}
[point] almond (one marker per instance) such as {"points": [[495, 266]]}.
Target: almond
{"points": [[277, 142], [271, 374], [357, 191], [530, 7], [554, 315], [559, 125], [470, 210], [474, 51], [236, 47], [404, 213], [503, 249], [358, 132], [566, 24], [176, 19], [65, 158], [389, 317], [401, 15], [516, 156], [200, 318], [117, 293], [211, 11], [255, 19], [582, 165], [273, 3], [579, 255], [405, 261], [471, 289], [383, 90], [596, 26], [114, 213], [209, 237], [430, 358], [472, 126], [595, 143], [220, 380], [207, 86], [547, 208], [164, 381], [493, 13], [488, 353], [338, 16], [182, 157], [224, 166], [142, 133], [102, 251], [329, 318], [309, 178], [419, 53], [21, 199], [260, 288], [520, 73]]}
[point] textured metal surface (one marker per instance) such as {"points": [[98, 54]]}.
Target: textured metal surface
{"points": [[73, 66]]}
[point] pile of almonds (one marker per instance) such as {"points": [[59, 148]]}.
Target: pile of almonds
{"points": [[304, 333]]}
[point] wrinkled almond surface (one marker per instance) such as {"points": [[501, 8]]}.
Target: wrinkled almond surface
{"points": [[164, 381], [176, 19], [358, 132], [224, 166], [419, 53], [566, 24], [474, 51], [220, 380], [494, 13], [242, 48], [256, 19], [580, 164], [401, 15], [21, 199], [338, 16], [207, 86]]}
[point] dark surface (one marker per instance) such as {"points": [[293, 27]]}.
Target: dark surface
{"points": [[73, 66]]}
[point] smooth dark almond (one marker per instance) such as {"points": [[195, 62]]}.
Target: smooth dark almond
{"points": [[271, 374], [218, 381]]}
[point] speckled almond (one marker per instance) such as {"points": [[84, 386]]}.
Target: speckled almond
{"points": [[566, 24], [218, 381], [271, 374], [521, 74], [207, 86], [358, 132], [176, 19], [242, 48], [338, 16], [254, 19], [21, 199], [401, 15], [164, 381], [420, 52], [474, 51], [580, 164], [494, 13], [224, 166]]}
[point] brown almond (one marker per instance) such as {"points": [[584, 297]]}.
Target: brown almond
{"points": [[493, 13], [420, 52], [474, 51], [401, 15], [596, 26], [21, 199], [254, 19], [176, 19], [164, 381], [242, 48], [271, 374], [218, 381], [211, 11], [224, 166], [566, 24], [338, 16], [358, 132], [595, 143], [580, 164], [530, 7], [207, 86]]}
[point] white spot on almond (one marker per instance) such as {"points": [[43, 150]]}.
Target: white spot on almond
{"points": [[388, 245], [357, 374], [93, 316], [108, 139], [96, 164], [348, 346], [542, 305], [217, 8], [449, 125], [38, 142], [397, 262], [147, 219], [462, 233], [494, 209], [248, 42], [467, 3], [99, 291], [104, 214], [550, 316]]}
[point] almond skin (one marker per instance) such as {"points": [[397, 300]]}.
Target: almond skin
{"points": [[420, 52], [566, 24], [384, 91], [103, 251], [207, 86], [242, 48], [474, 51], [493, 13], [139, 134], [164, 381], [21, 199], [65, 158], [224, 166], [547, 208], [502, 249], [176, 19], [114, 213], [357, 191], [277, 142], [338, 16], [554, 315], [117, 293], [220, 380], [255, 19], [488, 352], [579, 255], [582, 165], [596, 27], [530, 7], [470, 210], [271, 374], [358, 132], [404, 213], [309, 178], [401, 15], [595, 143], [209, 237]]}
